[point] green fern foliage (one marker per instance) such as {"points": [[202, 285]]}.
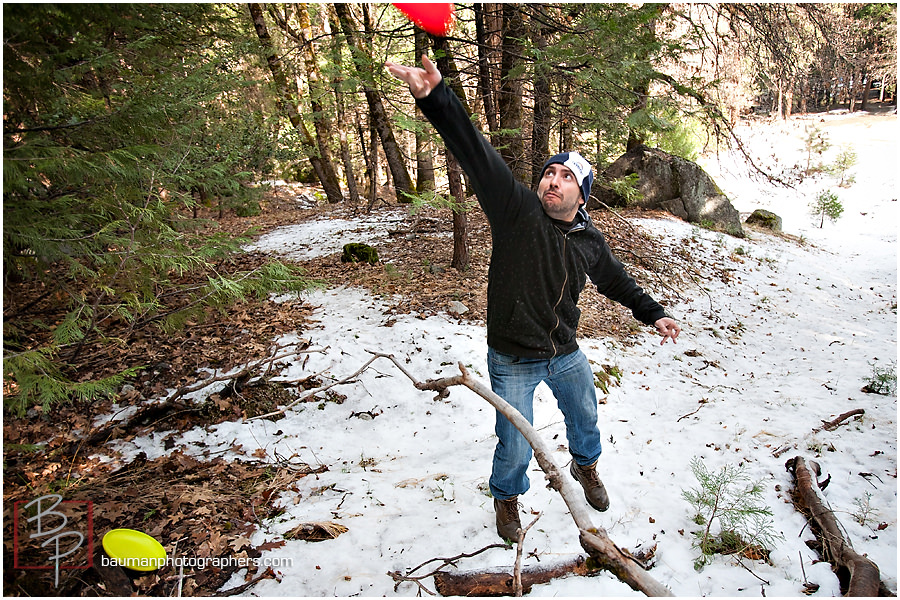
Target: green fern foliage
{"points": [[38, 380]]}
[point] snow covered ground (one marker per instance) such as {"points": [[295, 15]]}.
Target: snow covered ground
{"points": [[760, 364]]}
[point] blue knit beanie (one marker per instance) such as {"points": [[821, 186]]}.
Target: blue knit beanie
{"points": [[579, 167]]}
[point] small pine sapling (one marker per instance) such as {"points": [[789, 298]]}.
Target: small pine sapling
{"points": [[730, 510], [846, 160], [828, 205], [815, 142], [883, 380]]}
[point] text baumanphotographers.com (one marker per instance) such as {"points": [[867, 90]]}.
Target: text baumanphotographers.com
{"points": [[194, 562]]}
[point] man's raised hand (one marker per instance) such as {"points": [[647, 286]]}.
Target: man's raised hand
{"points": [[420, 81]]}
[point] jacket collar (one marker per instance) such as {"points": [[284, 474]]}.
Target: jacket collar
{"points": [[581, 222]]}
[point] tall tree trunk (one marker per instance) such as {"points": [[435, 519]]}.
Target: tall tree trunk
{"points": [[324, 170], [866, 86], [321, 122], [447, 66], [789, 99], [509, 101], [483, 39], [804, 94], [424, 156], [343, 123], [566, 129], [540, 127], [373, 160], [779, 111], [460, 260], [402, 182]]}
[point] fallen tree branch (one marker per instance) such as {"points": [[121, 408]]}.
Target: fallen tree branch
{"points": [[593, 539], [834, 424], [500, 581], [267, 574], [436, 573], [174, 403], [317, 390], [858, 575]]}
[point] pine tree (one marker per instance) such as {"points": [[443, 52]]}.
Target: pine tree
{"points": [[115, 117]]}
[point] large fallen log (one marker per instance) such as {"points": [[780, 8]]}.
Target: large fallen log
{"points": [[593, 539], [499, 581], [858, 575]]}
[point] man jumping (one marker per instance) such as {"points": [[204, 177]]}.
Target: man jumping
{"points": [[544, 249]]}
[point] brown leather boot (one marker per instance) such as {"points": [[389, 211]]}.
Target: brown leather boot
{"points": [[508, 522], [594, 492]]}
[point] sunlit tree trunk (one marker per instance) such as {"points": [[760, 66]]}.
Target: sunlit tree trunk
{"points": [[402, 181], [343, 124], [324, 168]]}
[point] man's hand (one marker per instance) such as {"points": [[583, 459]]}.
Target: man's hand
{"points": [[667, 328], [420, 81]]}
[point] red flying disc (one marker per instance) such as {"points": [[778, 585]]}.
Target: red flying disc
{"points": [[435, 18]]}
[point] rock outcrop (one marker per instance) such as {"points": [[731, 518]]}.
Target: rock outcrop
{"points": [[673, 184]]}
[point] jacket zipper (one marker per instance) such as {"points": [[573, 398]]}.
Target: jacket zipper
{"points": [[562, 293]]}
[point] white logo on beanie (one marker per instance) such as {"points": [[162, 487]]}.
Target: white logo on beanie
{"points": [[578, 165]]}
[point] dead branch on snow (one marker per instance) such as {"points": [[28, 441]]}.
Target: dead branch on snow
{"points": [[858, 575]]}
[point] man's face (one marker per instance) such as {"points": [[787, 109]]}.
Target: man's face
{"points": [[559, 192]]}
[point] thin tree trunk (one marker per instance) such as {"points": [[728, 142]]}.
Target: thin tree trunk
{"points": [[511, 145], [324, 170], [343, 124], [321, 122], [780, 99], [424, 156], [447, 66], [540, 127], [485, 86], [804, 95], [361, 134], [460, 260], [566, 130], [402, 182], [789, 100], [373, 160]]}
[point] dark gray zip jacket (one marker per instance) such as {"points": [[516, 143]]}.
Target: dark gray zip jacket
{"points": [[538, 268]]}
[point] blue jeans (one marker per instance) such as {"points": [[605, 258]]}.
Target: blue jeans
{"points": [[514, 379]]}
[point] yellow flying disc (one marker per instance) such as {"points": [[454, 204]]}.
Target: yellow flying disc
{"points": [[134, 550]]}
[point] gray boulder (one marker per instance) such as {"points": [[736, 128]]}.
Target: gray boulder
{"points": [[673, 184], [765, 219]]}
